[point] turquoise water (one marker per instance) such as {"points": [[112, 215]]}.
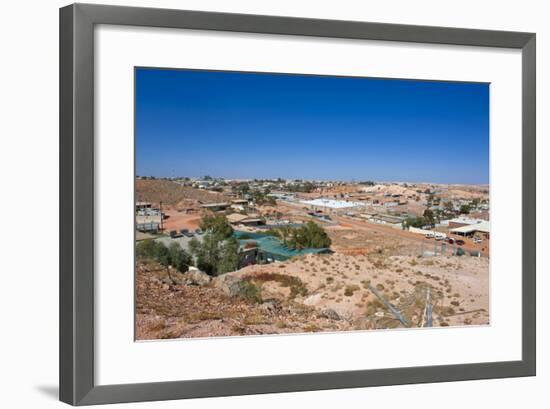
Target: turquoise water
{"points": [[272, 246]]}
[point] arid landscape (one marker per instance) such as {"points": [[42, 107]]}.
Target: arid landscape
{"points": [[374, 275]]}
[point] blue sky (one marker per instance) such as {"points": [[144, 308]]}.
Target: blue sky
{"points": [[249, 125]]}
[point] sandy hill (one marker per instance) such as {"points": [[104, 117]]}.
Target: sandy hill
{"points": [[389, 189], [466, 192], [173, 194]]}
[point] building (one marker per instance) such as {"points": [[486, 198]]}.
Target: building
{"points": [[239, 204], [215, 207], [462, 221], [242, 202], [252, 220], [394, 221], [148, 219], [143, 206], [289, 197], [477, 229]]}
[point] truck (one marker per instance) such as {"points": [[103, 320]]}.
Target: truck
{"points": [[440, 236]]}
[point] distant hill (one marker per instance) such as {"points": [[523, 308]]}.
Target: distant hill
{"points": [[173, 194]]}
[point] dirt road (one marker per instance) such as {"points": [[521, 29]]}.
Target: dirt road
{"points": [[177, 220], [418, 238]]}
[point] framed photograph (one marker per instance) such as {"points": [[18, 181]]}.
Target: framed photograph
{"points": [[258, 204]]}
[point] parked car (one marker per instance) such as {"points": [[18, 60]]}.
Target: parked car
{"points": [[450, 240], [198, 231], [460, 242], [186, 233], [478, 240]]}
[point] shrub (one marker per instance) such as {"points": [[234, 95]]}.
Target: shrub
{"points": [[297, 287], [312, 328], [145, 249], [249, 291], [173, 256], [350, 289]]}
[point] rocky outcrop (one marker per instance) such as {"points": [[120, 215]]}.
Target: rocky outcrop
{"points": [[330, 314], [229, 284], [196, 277]]}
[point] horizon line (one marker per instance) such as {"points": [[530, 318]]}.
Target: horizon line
{"points": [[355, 180]]}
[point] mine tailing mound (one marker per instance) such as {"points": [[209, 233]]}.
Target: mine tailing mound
{"points": [[171, 193]]}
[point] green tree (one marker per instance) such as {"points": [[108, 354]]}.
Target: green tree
{"points": [[228, 256], [207, 254], [310, 235], [161, 254], [243, 189], [179, 258], [449, 206], [429, 216], [415, 222], [154, 250], [194, 245], [217, 225], [465, 209], [145, 249]]}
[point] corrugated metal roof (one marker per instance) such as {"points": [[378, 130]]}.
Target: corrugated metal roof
{"points": [[484, 227], [466, 220]]}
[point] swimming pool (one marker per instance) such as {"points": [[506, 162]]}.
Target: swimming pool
{"points": [[272, 247]]}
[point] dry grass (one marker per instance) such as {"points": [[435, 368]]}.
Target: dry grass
{"points": [[297, 287], [350, 290]]}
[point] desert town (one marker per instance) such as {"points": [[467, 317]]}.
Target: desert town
{"points": [[225, 257]]}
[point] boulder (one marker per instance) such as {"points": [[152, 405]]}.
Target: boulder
{"points": [[229, 284], [362, 324], [196, 277], [313, 299], [330, 314], [271, 305]]}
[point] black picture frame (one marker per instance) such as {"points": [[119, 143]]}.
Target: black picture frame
{"points": [[77, 385]]}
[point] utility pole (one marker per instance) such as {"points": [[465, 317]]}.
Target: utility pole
{"points": [[161, 223], [429, 309]]}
